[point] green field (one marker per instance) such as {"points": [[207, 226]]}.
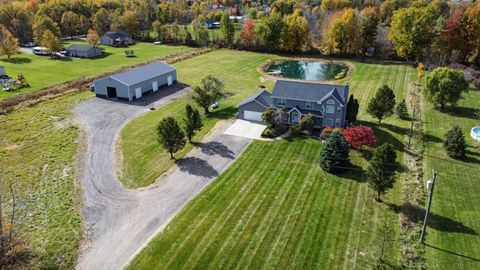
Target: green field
{"points": [[453, 233], [41, 71], [275, 208], [38, 148], [144, 159]]}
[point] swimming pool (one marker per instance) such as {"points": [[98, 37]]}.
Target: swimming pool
{"points": [[475, 133]]}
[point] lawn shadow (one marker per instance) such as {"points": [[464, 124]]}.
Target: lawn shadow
{"points": [[223, 113], [215, 148], [384, 136], [430, 138], [463, 112], [103, 55], [415, 213], [453, 253], [354, 172], [469, 158], [17, 60], [196, 166]]}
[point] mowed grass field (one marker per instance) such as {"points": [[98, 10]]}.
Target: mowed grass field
{"points": [[38, 149], [144, 159], [275, 208], [41, 71], [453, 235]]}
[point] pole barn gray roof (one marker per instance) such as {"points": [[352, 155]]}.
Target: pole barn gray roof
{"points": [[143, 73]]}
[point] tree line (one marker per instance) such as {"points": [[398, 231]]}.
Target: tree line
{"points": [[434, 32]]}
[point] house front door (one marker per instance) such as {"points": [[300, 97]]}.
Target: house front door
{"points": [[295, 117]]}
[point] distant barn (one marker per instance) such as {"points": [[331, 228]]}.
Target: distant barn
{"points": [[133, 84], [84, 51]]}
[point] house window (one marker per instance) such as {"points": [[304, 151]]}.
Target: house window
{"points": [[331, 101], [309, 105], [330, 109], [281, 102], [329, 122], [337, 122]]}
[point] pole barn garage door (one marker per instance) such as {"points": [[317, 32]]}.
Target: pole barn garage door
{"points": [[253, 116]]}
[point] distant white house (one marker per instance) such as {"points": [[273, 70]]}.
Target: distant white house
{"points": [[239, 19], [2, 71]]}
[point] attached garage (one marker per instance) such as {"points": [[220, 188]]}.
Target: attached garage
{"points": [[251, 108], [252, 116], [134, 84]]}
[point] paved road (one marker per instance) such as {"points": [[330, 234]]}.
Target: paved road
{"points": [[119, 222]]}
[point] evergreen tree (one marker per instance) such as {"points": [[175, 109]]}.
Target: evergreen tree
{"points": [[352, 110], [170, 135], [381, 170], [455, 143], [382, 104], [334, 154], [401, 110], [193, 121], [308, 123]]}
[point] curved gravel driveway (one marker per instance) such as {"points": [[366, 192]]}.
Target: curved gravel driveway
{"points": [[119, 222]]}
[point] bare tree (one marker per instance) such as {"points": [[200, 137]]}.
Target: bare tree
{"points": [[13, 251]]}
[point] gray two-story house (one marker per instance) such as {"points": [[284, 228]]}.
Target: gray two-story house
{"points": [[326, 101]]}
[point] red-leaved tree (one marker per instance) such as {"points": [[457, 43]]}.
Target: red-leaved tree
{"points": [[358, 136], [248, 35]]}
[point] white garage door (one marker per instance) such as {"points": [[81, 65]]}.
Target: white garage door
{"points": [[169, 80], [252, 116], [155, 86], [138, 93]]}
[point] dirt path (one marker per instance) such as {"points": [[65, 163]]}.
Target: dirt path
{"points": [[119, 222]]}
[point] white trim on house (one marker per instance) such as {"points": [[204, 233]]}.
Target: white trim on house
{"points": [[295, 110], [332, 96]]}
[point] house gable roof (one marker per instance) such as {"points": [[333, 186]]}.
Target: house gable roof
{"points": [[116, 35], [309, 91], [142, 73], [334, 93], [262, 97]]}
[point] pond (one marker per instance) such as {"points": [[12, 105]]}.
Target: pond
{"points": [[308, 70]]}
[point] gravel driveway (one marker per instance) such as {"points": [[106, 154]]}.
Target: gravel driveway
{"points": [[119, 222]]}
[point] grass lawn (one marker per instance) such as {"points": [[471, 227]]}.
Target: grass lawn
{"points": [[453, 229], [41, 71], [144, 159], [275, 208], [38, 148]]}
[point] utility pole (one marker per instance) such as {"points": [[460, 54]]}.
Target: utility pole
{"points": [[430, 187], [411, 129]]}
